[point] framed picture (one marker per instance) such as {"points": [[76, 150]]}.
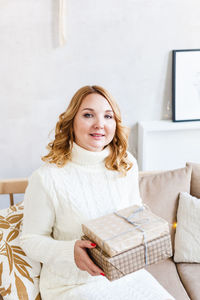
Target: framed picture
{"points": [[186, 85]]}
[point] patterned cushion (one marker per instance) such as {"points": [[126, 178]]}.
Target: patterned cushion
{"points": [[19, 275]]}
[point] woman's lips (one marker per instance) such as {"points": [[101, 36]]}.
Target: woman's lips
{"points": [[97, 136]]}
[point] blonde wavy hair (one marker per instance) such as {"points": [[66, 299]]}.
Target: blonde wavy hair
{"points": [[61, 147]]}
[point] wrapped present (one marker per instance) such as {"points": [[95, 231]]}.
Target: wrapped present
{"points": [[125, 229], [132, 260]]}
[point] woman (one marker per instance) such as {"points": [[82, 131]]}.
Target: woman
{"points": [[87, 173]]}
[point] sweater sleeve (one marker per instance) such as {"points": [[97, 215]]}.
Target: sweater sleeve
{"points": [[39, 217]]}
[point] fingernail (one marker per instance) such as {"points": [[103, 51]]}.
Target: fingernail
{"points": [[102, 274], [93, 244]]}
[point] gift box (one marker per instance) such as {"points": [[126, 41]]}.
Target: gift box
{"points": [[125, 229], [132, 260]]}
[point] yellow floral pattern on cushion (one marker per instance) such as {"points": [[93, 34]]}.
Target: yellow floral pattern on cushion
{"points": [[19, 275]]}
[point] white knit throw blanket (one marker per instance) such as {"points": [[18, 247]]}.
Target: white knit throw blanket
{"points": [[140, 285]]}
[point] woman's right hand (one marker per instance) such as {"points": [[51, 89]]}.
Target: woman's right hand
{"points": [[83, 260]]}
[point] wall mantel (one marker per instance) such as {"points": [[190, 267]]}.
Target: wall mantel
{"points": [[164, 145]]}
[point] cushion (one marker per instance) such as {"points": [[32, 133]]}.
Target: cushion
{"points": [[187, 238], [19, 275], [195, 179], [160, 192], [190, 274]]}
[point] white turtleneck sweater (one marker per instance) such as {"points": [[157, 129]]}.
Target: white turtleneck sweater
{"points": [[57, 202]]}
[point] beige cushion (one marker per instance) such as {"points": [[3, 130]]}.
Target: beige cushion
{"points": [[195, 179], [187, 237], [190, 274], [160, 192], [19, 276], [165, 272]]}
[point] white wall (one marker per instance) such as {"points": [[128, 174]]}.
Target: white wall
{"points": [[123, 45]]}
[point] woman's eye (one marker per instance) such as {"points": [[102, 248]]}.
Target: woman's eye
{"points": [[87, 115], [108, 116]]}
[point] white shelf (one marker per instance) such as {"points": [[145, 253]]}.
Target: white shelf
{"points": [[164, 145], [169, 125]]}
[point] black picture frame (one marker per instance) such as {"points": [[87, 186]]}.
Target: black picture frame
{"points": [[186, 85]]}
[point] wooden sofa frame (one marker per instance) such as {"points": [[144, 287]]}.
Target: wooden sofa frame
{"points": [[13, 186]]}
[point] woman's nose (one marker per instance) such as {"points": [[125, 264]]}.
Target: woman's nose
{"points": [[99, 123]]}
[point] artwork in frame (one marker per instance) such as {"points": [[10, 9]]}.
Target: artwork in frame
{"points": [[186, 85]]}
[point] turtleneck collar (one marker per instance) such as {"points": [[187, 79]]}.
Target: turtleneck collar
{"points": [[84, 157]]}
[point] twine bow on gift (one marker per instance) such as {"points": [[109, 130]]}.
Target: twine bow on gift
{"points": [[137, 225]]}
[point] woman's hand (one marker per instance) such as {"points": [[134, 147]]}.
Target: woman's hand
{"points": [[83, 260]]}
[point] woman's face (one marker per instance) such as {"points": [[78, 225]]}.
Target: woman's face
{"points": [[94, 124]]}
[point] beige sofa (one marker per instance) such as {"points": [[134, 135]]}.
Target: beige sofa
{"points": [[160, 191]]}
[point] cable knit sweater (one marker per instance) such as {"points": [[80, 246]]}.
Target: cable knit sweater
{"points": [[57, 202]]}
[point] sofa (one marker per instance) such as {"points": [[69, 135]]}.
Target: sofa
{"points": [[160, 191]]}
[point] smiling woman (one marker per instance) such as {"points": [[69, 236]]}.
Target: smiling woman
{"points": [[81, 180]]}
